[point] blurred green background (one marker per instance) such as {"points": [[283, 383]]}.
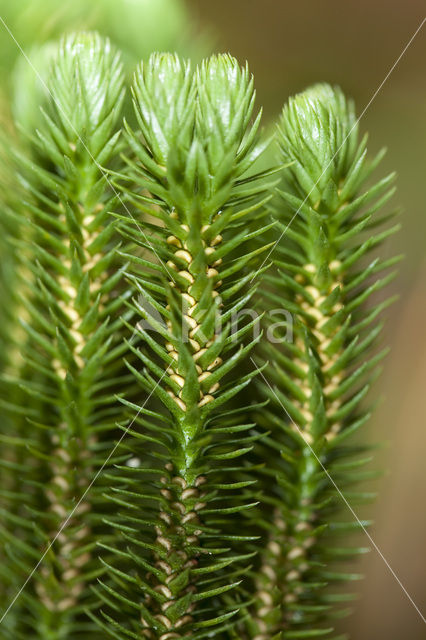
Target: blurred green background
{"points": [[288, 46]]}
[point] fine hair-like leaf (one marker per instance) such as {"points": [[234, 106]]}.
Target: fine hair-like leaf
{"points": [[330, 223], [71, 349], [188, 171]]}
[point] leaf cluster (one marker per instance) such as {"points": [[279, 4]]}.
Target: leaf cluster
{"points": [[328, 211], [170, 488]]}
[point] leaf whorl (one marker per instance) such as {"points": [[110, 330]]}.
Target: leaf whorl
{"points": [[194, 145], [71, 350], [324, 277]]}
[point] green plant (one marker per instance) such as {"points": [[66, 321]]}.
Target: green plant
{"points": [[70, 349], [328, 214], [162, 501], [194, 147]]}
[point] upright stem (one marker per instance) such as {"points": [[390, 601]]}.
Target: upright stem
{"points": [[321, 378], [72, 347]]}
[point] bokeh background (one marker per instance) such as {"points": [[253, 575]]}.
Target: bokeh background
{"points": [[289, 46]]}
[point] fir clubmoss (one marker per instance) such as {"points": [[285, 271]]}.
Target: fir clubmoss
{"points": [[330, 224], [142, 496], [189, 160], [71, 349]]}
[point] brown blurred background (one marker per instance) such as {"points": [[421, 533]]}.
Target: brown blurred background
{"points": [[288, 46]]}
